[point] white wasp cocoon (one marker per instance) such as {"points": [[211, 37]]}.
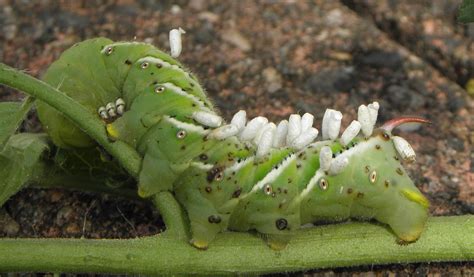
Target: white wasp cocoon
{"points": [[338, 165], [306, 122], [404, 149], [265, 127], [224, 132], [373, 112], [239, 119], [252, 128], [120, 104], [331, 124], [325, 158], [363, 116], [265, 140], [294, 128], [207, 119], [280, 134], [305, 138], [334, 125], [110, 107], [175, 41], [350, 132], [103, 113]]}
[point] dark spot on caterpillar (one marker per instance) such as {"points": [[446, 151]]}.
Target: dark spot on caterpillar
{"points": [[360, 195], [203, 157], [194, 105], [233, 173], [230, 159], [267, 189], [214, 174], [387, 183], [396, 158], [300, 155], [279, 190], [273, 194], [385, 136], [373, 176], [214, 219], [228, 178], [399, 171], [159, 65], [280, 205], [128, 62], [290, 180], [349, 190], [377, 147], [367, 169], [152, 73], [235, 182], [183, 147], [208, 189], [285, 191], [109, 50], [181, 134], [333, 155], [323, 184], [237, 193], [298, 165], [191, 84], [281, 224]]}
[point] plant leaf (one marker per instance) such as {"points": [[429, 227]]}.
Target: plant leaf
{"points": [[11, 116], [20, 162], [466, 11]]}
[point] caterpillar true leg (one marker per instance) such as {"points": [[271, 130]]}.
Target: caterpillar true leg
{"points": [[112, 110]]}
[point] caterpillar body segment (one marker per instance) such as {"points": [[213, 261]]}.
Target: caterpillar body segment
{"points": [[243, 175]]}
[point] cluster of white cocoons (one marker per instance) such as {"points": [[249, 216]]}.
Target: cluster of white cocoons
{"points": [[297, 132], [367, 117]]}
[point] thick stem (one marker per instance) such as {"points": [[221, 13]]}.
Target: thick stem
{"points": [[82, 183], [445, 239], [91, 125]]}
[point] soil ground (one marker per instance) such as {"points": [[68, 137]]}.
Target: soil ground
{"points": [[270, 58]]}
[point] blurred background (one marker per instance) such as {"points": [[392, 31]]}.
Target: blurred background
{"points": [[271, 58]]}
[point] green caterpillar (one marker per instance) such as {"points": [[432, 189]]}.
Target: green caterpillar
{"points": [[243, 175]]}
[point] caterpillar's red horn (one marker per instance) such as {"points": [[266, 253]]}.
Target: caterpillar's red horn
{"points": [[391, 124]]}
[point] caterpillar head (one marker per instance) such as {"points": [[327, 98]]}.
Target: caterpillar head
{"points": [[406, 210]]}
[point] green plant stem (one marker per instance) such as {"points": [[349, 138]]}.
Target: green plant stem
{"points": [[352, 244], [82, 183], [173, 215], [90, 124]]}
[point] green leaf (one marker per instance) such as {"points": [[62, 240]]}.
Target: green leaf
{"points": [[466, 11], [20, 162], [11, 116]]}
